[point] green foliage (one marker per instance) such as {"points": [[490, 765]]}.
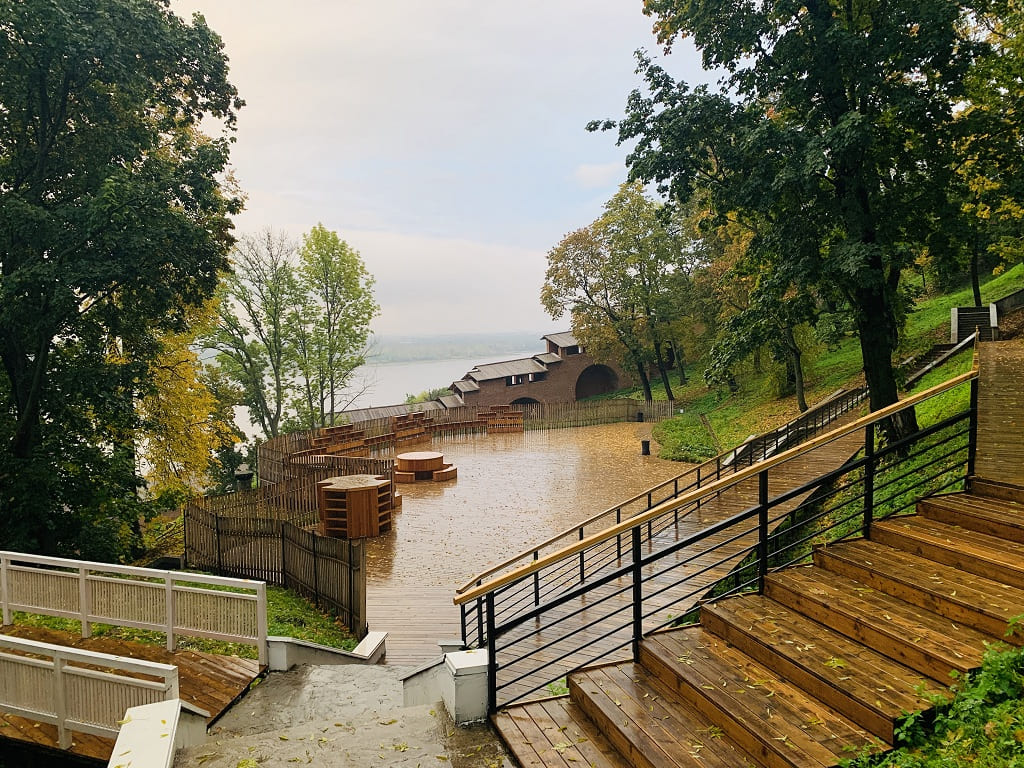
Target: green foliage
{"points": [[830, 137], [983, 724], [115, 224], [613, 278], [290, 338], [427, 395]]}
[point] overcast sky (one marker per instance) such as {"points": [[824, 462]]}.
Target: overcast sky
{"points": [[444, 139]]}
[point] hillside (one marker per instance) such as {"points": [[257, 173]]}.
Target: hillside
{"points": [[756, 407]]}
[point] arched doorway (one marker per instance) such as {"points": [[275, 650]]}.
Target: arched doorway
{"points": [[596, 380], [524, 401]]}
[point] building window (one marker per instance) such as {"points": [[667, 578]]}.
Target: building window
{"points": [[573, 350], [540, 376], [511, 381]]}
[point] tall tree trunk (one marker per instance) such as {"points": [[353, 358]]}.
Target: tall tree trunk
{"points": [[663, 371], [876, 327], [680, 356], [641, 372], [796, 356], [975, 283]]}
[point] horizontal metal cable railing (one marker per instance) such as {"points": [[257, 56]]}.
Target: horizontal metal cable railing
{"points": [[548, 617], [569, 574]]}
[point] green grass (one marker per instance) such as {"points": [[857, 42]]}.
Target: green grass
{"points": [[288, 615]]}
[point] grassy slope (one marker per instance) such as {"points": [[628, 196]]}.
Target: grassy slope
{"points": [[756, 408]]}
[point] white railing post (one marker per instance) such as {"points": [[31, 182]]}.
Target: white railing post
{"points": [[169, 608], [84, 601], [59, 702], [4, 586], [261, 622]]}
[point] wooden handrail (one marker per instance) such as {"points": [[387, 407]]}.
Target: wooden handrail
{"points": [[713, 487]]}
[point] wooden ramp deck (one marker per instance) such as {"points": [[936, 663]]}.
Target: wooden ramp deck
{"points": [[599, 621], [827, 662], [415, 618], [1001, 411], [208, 681]]}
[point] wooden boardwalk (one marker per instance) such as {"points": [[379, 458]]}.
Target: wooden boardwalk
{"points": [[1001, 411], [597, 627], [415, 618], [210, 682]]}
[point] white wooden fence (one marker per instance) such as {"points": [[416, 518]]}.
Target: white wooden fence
{"points": [[172, 602], [54, 686]]}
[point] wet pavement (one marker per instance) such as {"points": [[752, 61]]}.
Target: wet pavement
{"points": [[513, 490], [340, 717]]}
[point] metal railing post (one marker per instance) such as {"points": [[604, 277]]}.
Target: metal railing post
{"points": [[869, 478], [583, 574], [972, 439], [492, 657], [480, 621], [536, 581], [462, 624], [762, 529], [638, 595]]}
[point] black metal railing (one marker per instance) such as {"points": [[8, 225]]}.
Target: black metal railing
{"points": [[596, 599], [594, 563]]}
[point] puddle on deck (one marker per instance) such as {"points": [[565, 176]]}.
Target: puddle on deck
{"points": [[512, 491]]}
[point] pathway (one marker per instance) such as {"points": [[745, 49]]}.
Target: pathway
{"points": [[1001, 411]]}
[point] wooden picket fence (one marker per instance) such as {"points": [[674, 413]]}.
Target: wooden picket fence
{"points": [[331, 572]]}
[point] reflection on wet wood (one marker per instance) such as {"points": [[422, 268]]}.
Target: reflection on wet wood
{"points": [[1001, 411]]}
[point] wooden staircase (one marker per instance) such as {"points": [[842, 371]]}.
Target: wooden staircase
{"points": [[822, 666]]}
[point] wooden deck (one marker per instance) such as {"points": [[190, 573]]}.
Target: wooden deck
{"points": [[604, 630], [207, 681], [1001, 411], [415, 618]]}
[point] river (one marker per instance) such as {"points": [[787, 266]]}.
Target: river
{"points": [[391, 383]]}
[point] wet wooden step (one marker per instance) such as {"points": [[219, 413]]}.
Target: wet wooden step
{"points": [[555, 733], [769, 718], [962, 597], [995, 489], [868, 688], [978, 553], [994, 517], [649, 725], [925, 641]]}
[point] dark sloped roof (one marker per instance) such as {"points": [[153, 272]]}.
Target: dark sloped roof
{"points": [[563, 339], [520, 367], [451, 401], [466, 385], [548, 358]]}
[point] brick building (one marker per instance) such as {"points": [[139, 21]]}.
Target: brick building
{"points": [[562, 374]]}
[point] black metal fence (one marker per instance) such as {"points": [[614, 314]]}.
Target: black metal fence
{"points": [[592, 602], [330, 572]]}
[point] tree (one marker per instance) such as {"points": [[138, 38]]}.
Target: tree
{"points": [[113, 223], [831, 129], [616, 274], [250, 336], [293, 326], [581, 279], [332, 326], [183, 428]]}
